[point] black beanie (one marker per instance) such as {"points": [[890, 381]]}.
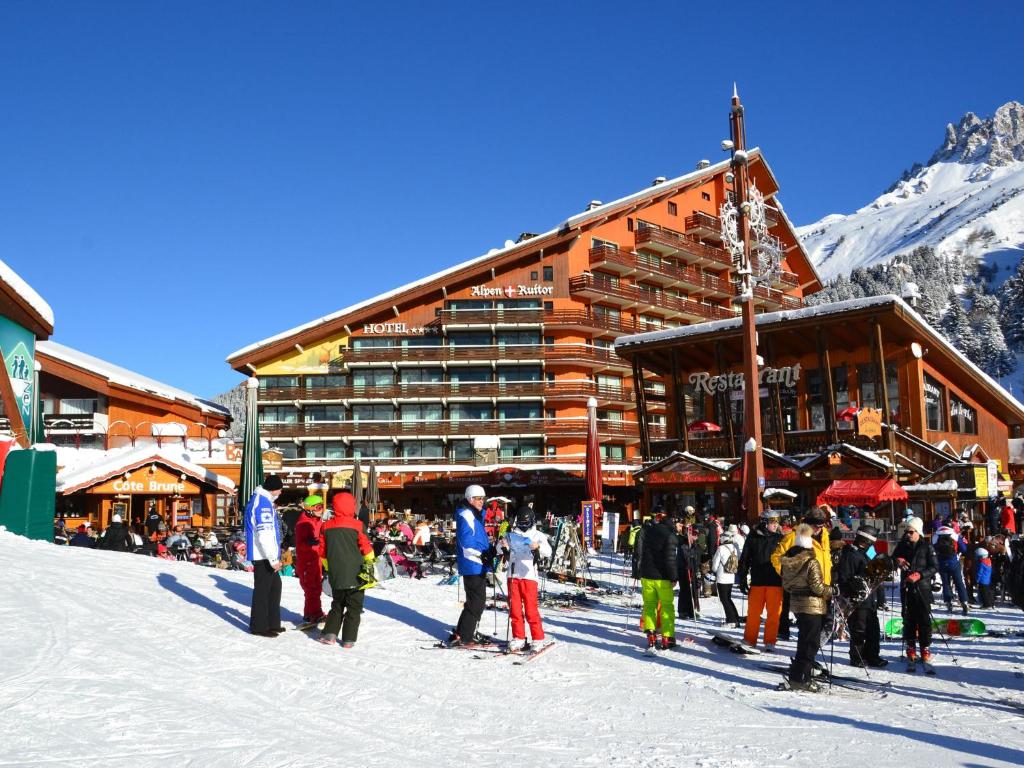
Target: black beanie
{"points": [[272, 483]]}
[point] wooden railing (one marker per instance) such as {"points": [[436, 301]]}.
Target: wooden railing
{"points": [[604, 254], [451, 390], [564, 427], [650, 234], [637, 295]]}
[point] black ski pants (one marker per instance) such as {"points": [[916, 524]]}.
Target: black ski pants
{"points": [[265, 613], [864, 636], [689, 598], [345, 614], [807, 645], [476, 599], [917, 621], [784, 623], [732, 616]]}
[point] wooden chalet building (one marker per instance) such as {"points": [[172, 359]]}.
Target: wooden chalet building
{"points": [[482, 372], [934, 424]]}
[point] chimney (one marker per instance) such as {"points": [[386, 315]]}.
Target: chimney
{"points": [[702, 164], [594, 204], [658, 180]]}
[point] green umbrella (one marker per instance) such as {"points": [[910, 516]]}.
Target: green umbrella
{"points": [[37, 430], [372, 492], [252, 454]]}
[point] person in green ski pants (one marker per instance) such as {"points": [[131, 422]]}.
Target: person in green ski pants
{"points": [[658, 575]]}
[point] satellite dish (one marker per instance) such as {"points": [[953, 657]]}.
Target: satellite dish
{"points": [[915, 350]]}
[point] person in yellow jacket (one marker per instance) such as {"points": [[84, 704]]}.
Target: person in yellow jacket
{"points": [[818, 520], [822, 547]]}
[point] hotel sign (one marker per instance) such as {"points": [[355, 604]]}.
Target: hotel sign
{"points": [[395, 329], [786, 377], [511, 291]]}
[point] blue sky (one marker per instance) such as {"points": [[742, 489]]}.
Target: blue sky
{"points": [[182, 179]]}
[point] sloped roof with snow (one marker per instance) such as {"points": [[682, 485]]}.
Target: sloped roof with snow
{"points": [[115, 374], [114, 463], [13, 283]]}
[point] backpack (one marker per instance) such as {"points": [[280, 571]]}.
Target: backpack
{"points": [[732, 565], [945, 548]]}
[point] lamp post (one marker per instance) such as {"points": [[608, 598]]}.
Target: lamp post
{"points": [[754, 266]]}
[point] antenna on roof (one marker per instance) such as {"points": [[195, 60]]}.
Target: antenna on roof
{"points": [[735, 93]]}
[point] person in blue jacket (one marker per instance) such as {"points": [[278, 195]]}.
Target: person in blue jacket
{"points": [[474, 555], [263, 543]]}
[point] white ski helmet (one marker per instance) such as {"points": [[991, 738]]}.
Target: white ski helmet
{"points": [[474, 491], [981, 552]]}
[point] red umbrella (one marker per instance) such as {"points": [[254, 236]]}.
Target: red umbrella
{"points": [[592, 472], [847, 414], [704, 426]]}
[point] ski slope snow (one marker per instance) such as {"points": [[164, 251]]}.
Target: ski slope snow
{"points": [[120, 660]]}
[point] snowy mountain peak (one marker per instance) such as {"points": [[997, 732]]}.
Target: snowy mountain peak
{"points": [[997, 141], [968, 199]]}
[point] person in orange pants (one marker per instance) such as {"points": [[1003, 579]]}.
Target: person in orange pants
{"points": [[308, 565], [759, 580]]}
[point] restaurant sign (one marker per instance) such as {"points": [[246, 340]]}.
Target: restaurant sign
{"points": [[787, 376]]}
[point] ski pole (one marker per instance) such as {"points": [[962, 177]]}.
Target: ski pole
{"points": [[508, 598]]}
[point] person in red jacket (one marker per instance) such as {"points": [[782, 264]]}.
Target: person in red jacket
{"points": [[349, 568], [307, 558], [1006, 519]]}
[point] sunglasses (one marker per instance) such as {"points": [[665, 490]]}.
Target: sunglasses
{"points": [[478, 498]]}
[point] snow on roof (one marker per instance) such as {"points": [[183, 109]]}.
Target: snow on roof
{"points": [[106, 464], [125, 378], [819, 310], [945, 485], [568, 224], [779, 492], [870, 456], [26, 292]]}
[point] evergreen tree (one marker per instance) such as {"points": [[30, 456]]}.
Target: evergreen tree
{"points": [[994, 356], [1011, 312], [956, 327]]}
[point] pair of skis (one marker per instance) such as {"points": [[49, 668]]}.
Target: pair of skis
{"points": [[494, 650]]}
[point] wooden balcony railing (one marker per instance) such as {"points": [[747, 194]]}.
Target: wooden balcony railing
{"points": [[690, 276], [634, 295], [503, 459], [451, 390], [589, 319], [490, 317], [445, 353], [653, 236]]}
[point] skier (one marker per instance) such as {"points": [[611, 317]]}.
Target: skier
{"points": [[822, 552], [525, 546], [983, 578], [725, 564], [808, 594], [307, 558], [852, 580], [948, 547], [916, 560], [658, 575], [688, 569], [350, 559], [474, 556], [758, 579], [264, 546]]}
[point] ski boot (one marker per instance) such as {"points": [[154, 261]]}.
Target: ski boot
{"points": [[667, 642], [911, 660], [926, 660]]}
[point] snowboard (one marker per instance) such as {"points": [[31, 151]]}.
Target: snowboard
{"points": [[733, 645], [951, 627]]}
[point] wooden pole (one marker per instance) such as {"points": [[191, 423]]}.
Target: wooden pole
{"points": [[776, 398], [889, 438], [641, 410], [680, 405], [724, 403], [825, 361]]}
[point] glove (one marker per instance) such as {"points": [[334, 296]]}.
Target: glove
{"points": [[366, 573], [902, 564], [914, 577], [744, 587]]}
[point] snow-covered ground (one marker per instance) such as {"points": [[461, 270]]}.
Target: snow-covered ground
{"points": [[121, 660]]}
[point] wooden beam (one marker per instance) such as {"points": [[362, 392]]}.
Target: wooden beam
{"points": [[830, 405], [679, 392], [776, 397], [885, 397], [641, 410], [724, 398]]}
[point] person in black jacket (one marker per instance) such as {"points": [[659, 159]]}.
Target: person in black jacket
{"points": [[688, 568], [851, 576], [658, 576], [759, 580], [918, 565], [117, 538]]}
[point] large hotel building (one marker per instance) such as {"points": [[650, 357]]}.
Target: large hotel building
{"points": [[483, 371]]}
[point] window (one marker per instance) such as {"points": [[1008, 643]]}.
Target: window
{"points": [[549, 340], [596, 242], [315, 413], [421, 375], [549, 306], [279, 414], [459, 375], [331, 450], [321, 382], [934, 411], [613, 452], [469, 339], [629, 224], [373, 377], [460, 450], [549, 413], [604, 381], [288, 450], [552, 450], [78, 406], [373, 449], [508, 373], [519, 410], [705, 195], [962, 418], [422, 412], [520, 447], [604, 343], [422, 449], [815, 400], [549, 273], [605, 415], [518, 337], [369, 342], [673, 209], [470, 304], [612, 314], [373, 412], [871, 392], [470, 411], [533, 275], [273, 382], [421, 341], [840, 385]]}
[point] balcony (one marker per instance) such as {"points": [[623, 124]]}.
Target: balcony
{"points": [[703, 225], [787, 280], [632, 296], [614, 325], [668, 242], [444, 354], [501, 318], [772, 299], [557, 427], [804, 442], [659, 270], [503, 460], [598, 358]]}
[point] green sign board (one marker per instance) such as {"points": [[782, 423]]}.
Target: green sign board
{"points": [[19, 345]]}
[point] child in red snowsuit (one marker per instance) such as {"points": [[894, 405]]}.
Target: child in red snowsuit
{"points": [[308, 566], [523, 543]]}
